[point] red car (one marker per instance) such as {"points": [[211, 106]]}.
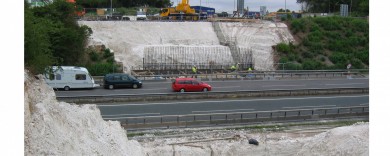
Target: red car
{"points": [[189, 85]]}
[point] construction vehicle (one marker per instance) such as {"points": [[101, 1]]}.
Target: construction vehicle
{"points": [[182, 11]]}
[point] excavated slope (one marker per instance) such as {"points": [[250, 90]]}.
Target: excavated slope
{"points": [[129, 39]]}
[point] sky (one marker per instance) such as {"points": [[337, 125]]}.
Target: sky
{"points": [[254, 5]]}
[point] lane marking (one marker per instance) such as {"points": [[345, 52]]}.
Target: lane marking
{"points": [[247, 100], [364, 104], [141, 89], [309, 106], [282, 85], [224, 110], [344, 84], [228, 87], [133, 114]]}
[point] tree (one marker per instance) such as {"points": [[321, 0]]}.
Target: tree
{"points": [[322, 6], [37, 47], [53, 37], [282, 10]]}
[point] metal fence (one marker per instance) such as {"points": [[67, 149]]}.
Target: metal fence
{"points": [[208, 95], [211, 75], [194, 120]]}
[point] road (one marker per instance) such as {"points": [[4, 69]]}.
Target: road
{"points": [[231, 85], [118, 110]]}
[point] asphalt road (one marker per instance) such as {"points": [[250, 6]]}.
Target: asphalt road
{"points": [[119, 110], [231, 85]]}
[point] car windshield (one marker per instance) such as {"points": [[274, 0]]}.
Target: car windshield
{"points": [[131, 77]]}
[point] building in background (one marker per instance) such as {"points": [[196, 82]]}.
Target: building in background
{"points": [[205, 11], [344, 10], [240, 7], [263, 10]]}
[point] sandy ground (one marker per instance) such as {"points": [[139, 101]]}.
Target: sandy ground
{"points": [[59, 128]]}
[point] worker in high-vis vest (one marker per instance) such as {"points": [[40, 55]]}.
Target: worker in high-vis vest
{"points": [[194, 71], [233, 68], [249, 69]]}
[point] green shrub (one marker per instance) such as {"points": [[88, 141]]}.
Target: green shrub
{"points": [[100, 69], [363, 56], [282, 47], [312, 65], [107, 53], [332, 35], [316, 48], [336, 45], [360, 25], [94, 56], [356, 63], [283, 59], [339, 58], [110, 60], [353, 41], [307, 54], [298, 25], [293, 66], [306, 42], [328, 23], [315, 27], [322, 59]]}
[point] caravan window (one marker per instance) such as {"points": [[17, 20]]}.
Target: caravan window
{"points": [[58, 77], [81, 77]]}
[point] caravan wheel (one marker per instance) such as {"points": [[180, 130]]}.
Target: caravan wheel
{"points": [[66, 88]]}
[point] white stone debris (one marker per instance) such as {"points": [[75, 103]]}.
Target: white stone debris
{"points": [[59, 128]]}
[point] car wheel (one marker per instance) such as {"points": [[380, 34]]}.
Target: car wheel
{"points": [[111, 87], [135, 86], [205, 90], [66, 88], [182, 90]]}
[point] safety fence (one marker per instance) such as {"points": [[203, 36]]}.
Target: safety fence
{"points": [[194, 120], [211, 75], [208, 95]]}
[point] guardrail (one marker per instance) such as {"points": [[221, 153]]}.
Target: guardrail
{"points": [[208, 95], [193, 120], [258, 75]]}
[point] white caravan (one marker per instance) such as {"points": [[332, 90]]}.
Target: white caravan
{"points": [[67, 77]]}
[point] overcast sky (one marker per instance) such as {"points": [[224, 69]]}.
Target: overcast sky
{"points": [[254, 5]]}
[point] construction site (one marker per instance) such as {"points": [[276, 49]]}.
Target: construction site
{"points": [[185, 36], [177, 46]]}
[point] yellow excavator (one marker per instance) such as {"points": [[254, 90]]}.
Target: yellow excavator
{"points": [[182, 11]]}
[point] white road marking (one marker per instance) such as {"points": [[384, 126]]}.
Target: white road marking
{"points": [[364, 104], [309, 106], [227, 87], [143, 89], [344, 84], [282, 85], [191, 102], [231, 110], [143, 114]]}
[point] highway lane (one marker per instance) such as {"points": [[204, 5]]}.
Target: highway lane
{"points": [[231, 85], [118, 110]]}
